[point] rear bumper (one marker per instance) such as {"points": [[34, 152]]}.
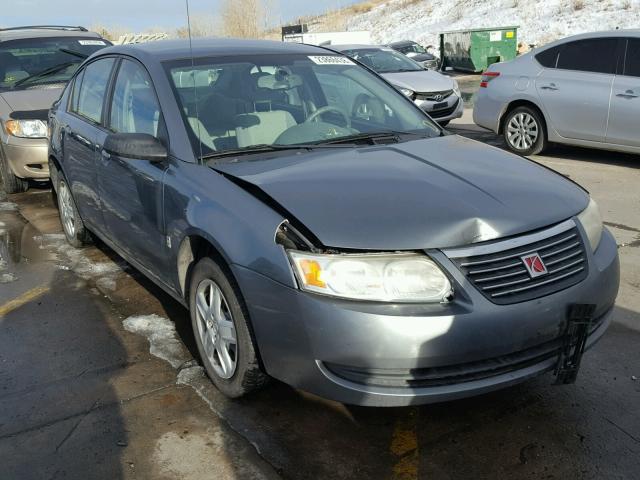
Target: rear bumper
{"points": [[488, 111], [309, 341], [27, 158]]}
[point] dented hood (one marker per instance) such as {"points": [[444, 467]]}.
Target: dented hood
{"points": [[431, 193]]}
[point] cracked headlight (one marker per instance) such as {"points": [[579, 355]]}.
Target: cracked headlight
{"points": [[26, 128], [456, 88], [592, 223], [407, 92], [373, 277]]}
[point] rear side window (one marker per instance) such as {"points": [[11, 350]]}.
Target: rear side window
{"points": [[548, 58], [93, 89], [76, 91], [632, 64], [597, 55]]}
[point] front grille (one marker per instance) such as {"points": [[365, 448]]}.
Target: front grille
{"points": [[444, 113], [434, 96], [501, 276]]}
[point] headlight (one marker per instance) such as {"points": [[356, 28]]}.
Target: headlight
{"points": [[406, 91], [456, 88], [592, 223], [374, 277], [26, 128]]}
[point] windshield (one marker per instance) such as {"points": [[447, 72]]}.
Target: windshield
{"points": [[413, 48], [22, 62], [236, 102], [384, 61]]}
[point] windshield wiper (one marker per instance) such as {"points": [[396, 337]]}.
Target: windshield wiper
{"points": [[74, 53], [44, 73], [374, 138], [266, 148]]}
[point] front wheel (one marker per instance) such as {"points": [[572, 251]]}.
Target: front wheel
{"points": [[524, 131], [220, 325]]}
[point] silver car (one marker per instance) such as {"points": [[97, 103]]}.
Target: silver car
{"points": [[435, 93], [583, 90]]}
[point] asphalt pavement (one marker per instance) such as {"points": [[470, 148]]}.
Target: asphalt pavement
{"points": [[99, 378]]}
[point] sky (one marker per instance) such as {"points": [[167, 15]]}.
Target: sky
{"points": [[138, 15]]}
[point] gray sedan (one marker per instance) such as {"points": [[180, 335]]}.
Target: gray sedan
{"points": [[323, 230], [435, 93], [582, 90]]}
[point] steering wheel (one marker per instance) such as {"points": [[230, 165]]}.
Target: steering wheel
{"points": [[329, 108]]}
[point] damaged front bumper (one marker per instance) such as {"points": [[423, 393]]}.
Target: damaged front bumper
{"points": [[377, 354]]}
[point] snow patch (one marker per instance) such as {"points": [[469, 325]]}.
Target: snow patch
{"points": [[161, 334], [7, 278], [8, 206], [540, 22]]}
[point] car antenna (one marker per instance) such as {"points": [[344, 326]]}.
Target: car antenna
{"points": [[193, 74]]}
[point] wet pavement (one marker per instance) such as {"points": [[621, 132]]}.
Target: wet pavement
{"points": [[98, 378]]}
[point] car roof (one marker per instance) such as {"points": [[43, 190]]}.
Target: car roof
{"points": [[603, 34], [403, 43], [44, 32], [164, 50]]}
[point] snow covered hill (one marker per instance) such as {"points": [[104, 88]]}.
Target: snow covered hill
{"points": [[540, 21]]}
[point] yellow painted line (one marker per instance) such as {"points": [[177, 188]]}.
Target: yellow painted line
{"points": [[23, 299], [404, 446]]}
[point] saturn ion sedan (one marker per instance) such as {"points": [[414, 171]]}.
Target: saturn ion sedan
{"points": [[369, 259]]}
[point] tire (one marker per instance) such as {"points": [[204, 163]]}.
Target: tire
{"points": [[524, 131], [72, 225], [11, 183], [236, 371]]}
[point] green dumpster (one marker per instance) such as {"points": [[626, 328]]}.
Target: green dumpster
{"points": [[475, 50]]}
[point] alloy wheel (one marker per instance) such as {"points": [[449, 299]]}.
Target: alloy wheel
{"points": [[216, 329], [67, 212], [522, 131]]}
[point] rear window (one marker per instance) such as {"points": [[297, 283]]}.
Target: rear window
{"points": [[632, 64], [596, 55]]}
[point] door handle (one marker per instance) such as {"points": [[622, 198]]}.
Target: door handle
{"points": [[628, 94], [551, 86]]}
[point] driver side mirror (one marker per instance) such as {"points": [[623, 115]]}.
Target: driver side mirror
{"points": [[136, 146]]}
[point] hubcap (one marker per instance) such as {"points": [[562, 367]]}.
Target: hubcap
{"points": [[67, 215], [522, 131], [216, 329]]}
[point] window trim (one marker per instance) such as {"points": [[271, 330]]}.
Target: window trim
{"points": [[90, 121], [163, 131], [627, 44]]}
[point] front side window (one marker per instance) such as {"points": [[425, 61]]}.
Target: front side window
{"points": [[93, 88], [238, 102], [597, 55], [39, 61], [134, 107], [632, 63]]}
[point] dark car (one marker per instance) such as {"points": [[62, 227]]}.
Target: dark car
{"points": [[322, 229], [35, 64], [417, 53]]}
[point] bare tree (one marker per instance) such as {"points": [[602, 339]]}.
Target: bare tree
{"points": [[243, 18]]}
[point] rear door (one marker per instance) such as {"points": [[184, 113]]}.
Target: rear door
{"points": [[131, 189], [624, 128], [84, 121], [576, 93]]}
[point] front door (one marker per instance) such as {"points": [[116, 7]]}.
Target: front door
{"points": [[625, 100], [575, 93], [131, 189]]}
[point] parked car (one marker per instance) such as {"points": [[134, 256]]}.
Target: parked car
{"points": [[583, 90], [35, 64], [435, 93], [321, 228], [417, 53]]}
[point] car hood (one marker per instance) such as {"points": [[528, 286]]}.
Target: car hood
{"points": [[31, 99], [420, 81], [432, 193]]}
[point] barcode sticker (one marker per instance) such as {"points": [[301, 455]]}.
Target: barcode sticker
{"points": [[330, 60]]}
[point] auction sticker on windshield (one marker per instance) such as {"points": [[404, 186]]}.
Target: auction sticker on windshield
{"points": [[330, 60], [92, 42]]}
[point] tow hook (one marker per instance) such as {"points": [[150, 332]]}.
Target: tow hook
{"points": [[573, 342]]}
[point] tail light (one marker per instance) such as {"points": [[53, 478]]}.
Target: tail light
{"points": [[487, 77]]}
